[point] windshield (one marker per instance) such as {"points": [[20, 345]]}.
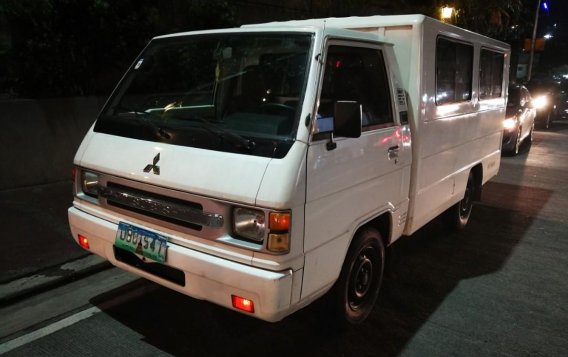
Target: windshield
{"points": [[227, 92]]}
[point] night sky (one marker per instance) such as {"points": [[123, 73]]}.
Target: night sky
{"points": [[553, 22]]}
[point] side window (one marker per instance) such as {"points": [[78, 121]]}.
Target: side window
{"points": [[454, 63], [525, 97], [357, 74], [490, 74]]}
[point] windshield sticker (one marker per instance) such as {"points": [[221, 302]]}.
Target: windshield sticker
{"points": [[139, 63]]}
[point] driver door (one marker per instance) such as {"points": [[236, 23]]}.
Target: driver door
{"points": [[355, 179]]}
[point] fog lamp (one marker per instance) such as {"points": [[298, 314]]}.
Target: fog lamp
{"points": [[84, 242], [242, 304]]}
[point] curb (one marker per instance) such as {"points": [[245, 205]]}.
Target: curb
{"points": [[51, 277]]}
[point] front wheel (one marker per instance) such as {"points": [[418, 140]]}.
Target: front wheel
{"points": [[357, 289], [518, 142]]}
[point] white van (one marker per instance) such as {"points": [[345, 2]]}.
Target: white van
{"points": [[261, 167]]}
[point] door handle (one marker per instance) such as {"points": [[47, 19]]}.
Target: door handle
{"points": [[393, 153]]}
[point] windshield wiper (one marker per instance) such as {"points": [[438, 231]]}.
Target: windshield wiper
{"points": [[144, 119], [235, 139]]}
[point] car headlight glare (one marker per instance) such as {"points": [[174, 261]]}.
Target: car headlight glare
{"points": [[540, 102], [249, 223], [509, 123]]}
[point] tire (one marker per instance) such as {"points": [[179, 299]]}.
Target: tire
{"points": [[527, 143], [355, 292], [457, 216], [517, 147]]}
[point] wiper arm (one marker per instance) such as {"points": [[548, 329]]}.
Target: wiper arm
{"points": [[235, 139], [144, 119]]}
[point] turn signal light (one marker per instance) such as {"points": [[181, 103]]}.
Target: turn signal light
{"points": [[278, 237], [84, 242], [279, 221], [278, 243], [243, 304]]}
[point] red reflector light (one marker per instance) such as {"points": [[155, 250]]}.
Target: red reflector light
{"points": [[84, 242], [242, 304]]}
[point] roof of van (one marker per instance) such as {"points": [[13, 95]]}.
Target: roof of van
{"points": [[369, 22], [352, 21]]}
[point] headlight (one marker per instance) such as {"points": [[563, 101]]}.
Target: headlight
{"points": [[509, 123], [255, 225], [249, 223], [90, 183], [540, 102]]}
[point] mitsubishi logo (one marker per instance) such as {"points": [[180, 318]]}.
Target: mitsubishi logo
{"points": [[154, 166]]}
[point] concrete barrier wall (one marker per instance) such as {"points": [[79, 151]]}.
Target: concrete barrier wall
{"points": [[38, 138]]}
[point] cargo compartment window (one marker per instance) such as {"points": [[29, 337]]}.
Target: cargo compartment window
{"points": [[454, 66], [356, 74], [490, 74]]}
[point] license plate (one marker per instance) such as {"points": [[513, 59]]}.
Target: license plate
{"points": [[140, 241]]}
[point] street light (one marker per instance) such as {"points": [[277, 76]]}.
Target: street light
{"points": [[531, 57], [446, 13]]}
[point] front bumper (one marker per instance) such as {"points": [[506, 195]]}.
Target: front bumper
{"points": [[203, 276]]}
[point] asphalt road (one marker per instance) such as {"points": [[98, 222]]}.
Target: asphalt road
{"points": [[498, 288]]}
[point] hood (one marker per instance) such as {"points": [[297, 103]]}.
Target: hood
{"points": [[203, 172]]}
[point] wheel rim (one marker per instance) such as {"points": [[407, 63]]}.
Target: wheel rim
{"points": [[362, 278]]}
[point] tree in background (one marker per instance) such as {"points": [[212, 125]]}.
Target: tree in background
{"points": [[491, 18], [82, 47]]}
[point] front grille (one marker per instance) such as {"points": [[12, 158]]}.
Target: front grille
{"points": [[189, 214], [169, 209], [149, 204]]}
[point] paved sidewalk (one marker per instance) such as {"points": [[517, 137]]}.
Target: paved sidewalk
{"points": [[36, 243]]}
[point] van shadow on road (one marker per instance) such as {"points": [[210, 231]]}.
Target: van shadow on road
{"points": [[426, 268]]}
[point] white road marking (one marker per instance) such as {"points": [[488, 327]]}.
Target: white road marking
{"points": [[48, 330]]}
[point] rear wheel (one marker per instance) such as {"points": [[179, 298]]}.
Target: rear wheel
{"points": [[457, 216], [357, 288], [529, 140]]}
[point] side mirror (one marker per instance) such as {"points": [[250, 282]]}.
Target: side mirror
{"points": [[347, 119]]}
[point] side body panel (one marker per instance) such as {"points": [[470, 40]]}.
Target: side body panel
{"points": [[452, 138], [447, 140]]}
